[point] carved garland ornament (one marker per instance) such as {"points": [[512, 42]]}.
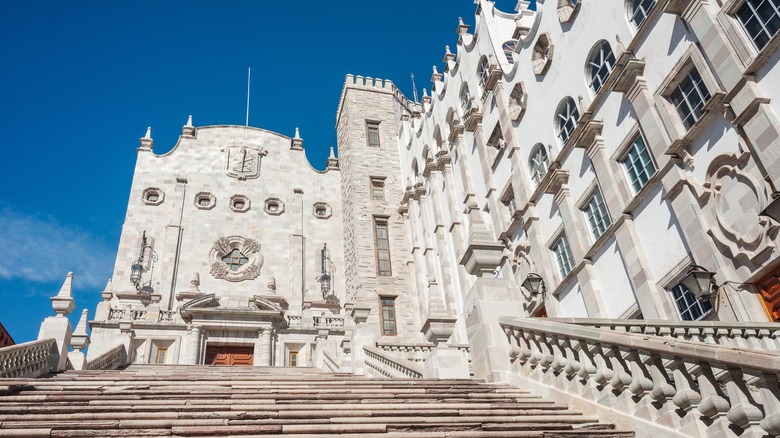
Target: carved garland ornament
{"points": [[235, 258]]}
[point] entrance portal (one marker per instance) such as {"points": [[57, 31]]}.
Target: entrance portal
{"points": [[229, 355]]}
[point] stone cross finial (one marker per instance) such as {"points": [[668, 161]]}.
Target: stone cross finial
{"points": [[62, 303]]}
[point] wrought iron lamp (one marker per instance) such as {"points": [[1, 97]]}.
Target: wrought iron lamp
{"points": [[137, 268], [699, 281], [326, 267], [534, 283]]}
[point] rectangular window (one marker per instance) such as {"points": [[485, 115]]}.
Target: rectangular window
{"points": [[509, 203], [162, 354], [292, 360], [382, 244], [689, 97], [689, 307], [388, 316], [596, 212], [638, 163], [378, 189], [373, 133], [563, 255], [761, 20]]}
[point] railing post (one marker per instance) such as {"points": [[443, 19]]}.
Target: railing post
{"points": [[58, 327]]}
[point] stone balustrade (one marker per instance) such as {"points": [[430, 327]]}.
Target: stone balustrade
{"points": [[110, 360], [757, 335], [293, 321], [30, 359], [415, 352], [167, 316], [381, 364], [329, 321], [694, 388], [329, 363]]}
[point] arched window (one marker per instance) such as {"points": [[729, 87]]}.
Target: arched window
{"points": [[638, 10], [509, 50], [483, 71], [566, 118], [538, 163], [465, 99], [600, 64]]}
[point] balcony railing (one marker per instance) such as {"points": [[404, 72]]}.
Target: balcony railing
{"points": [[30, 359], [696, 388]]}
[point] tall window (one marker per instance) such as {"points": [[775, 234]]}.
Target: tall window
{"points": [[597, 215], [638, 163], [235, 260], [509, 49], [388, 316], [292, 359], [689, 307], [483, 71], [465, 99], [538, 163], [689, 98], [761, 19], [510, 203], [382, 243], [162, 354], [600, 65], [563, 255], [378, 189], [566, 118], [373, 133], [638, 10]]}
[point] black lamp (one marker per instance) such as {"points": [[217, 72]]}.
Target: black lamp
{"points": [[534, 283], [699, 281]]}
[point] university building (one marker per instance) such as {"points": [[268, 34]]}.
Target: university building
{"points": [[583, 203]]}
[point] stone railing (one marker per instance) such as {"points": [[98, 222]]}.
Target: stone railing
{"points": [[329, 321], [693, 388], [167, 316], [110, 360], [329, 363], [30, 359], [757, 335], [382, 364], [293, 321], [415, 352]]}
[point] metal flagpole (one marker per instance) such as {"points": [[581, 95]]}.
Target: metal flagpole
{"points": [[248, 78]]}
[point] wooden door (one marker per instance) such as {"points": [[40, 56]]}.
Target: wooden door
{"points": [[229, 355], [769, 294]]}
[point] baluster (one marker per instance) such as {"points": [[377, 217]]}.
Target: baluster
{"points": [[764, 341], [743, 413], [708, 336], [662, 388], [680, 333], [751, 338], [685, 376], [713, 405], [557, 354], [584, 358], [572, 366], [604, 371], [637, 362], [723, 338], [621, 378], [769, 394]]}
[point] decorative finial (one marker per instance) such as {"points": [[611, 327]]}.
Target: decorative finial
{"points": [[425, 91], [435, 71], [297, 133], [107, 294], [188, 130], [189, 120], [81, 327], [297, 141], [195, 282], [447, 49], [332, 154], [272, 285], [62, 303], [146, 141], [80, 339], [333, 162]]}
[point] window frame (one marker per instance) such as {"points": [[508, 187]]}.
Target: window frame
{"points": [[292, 358], [562, 242], [567, 107], [384, 221], [377, 182], [735, 9], [626, 150], [598, 50], [604, 218], [681, 293], [158, 356], [373, 126], [750, 56], [393, 320], [535, 173], [631, 11]]}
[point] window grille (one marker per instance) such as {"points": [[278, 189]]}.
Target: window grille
{"points": [[689, 307], [563, 255], [689, 98], [388, 316], [638, 10], [567, 118], [638, 164], [600, 65], [761, 20], [596, 212], [538, 163]]}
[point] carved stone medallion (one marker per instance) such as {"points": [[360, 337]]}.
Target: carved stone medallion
{"points": [[235, 258], [243, 162]]}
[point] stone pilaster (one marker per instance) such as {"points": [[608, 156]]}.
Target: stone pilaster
{"points": [[193, 345], [171, 242], [264, 346]]}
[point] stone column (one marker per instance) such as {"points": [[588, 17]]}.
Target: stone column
{"points": [[193, 345], [264, 355]]}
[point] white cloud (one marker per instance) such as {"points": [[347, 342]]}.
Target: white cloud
{"points": [[44, 250]]}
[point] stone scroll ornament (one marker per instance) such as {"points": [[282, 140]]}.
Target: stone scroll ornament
{"points": [[249, 255]]}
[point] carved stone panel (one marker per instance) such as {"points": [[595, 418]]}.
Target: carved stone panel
{"points": [[243, 162], [235, 258]]}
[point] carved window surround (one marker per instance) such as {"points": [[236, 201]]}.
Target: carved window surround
{"points": [[248, 248]]}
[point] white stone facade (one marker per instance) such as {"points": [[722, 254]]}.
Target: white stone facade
{"points": [[626, 195]]}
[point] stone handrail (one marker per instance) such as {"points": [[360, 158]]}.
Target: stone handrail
{"points": [[30, 359], [695, 388], [328, 321], [757, 335], [329, 362], [110, 360], [383, 364], [415, 352]]}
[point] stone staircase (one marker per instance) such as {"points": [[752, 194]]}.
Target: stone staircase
{"points": [[197, 400]]}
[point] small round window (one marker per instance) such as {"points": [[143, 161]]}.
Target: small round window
{"points": [[205, 201], [322, 210], [274, 206], [239, 203]]}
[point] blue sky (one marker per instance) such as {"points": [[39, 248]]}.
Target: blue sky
{"points": [[81, 81]]}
